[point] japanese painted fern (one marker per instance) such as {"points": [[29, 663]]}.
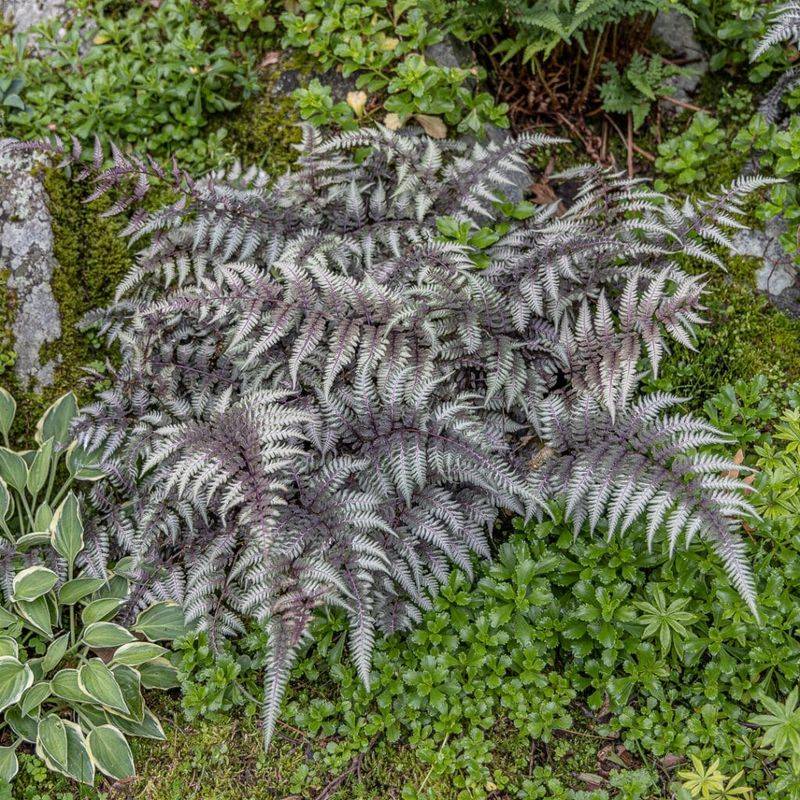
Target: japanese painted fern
{"points": [[324, 403]]}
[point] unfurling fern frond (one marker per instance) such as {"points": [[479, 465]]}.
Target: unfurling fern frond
{"points": [[324, 402]]}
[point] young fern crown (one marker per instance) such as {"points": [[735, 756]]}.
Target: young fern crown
{"points": [[323, 401]]}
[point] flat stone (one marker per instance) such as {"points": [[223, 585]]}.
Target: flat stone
{"points": [[676, 30], [27, 13], [778, 275], [26, 255]]}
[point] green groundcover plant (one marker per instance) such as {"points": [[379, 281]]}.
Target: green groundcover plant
{"points": [[667, 661], [71, 678]]}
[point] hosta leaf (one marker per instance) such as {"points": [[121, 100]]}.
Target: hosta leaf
{"points": [[77, 589], [99, 610], [79, 764], [110, 752], [162, 621], [57, 419], [130, 683], [83, 466], [37, 614], [34, 697], [8, 407], [148, 728], [106, 634], [24, 727], [97, 680], [5, 499], [40, 468], [159, 674], [136, 653], [43, 517], [13, 469], [33, 582], [9, 647], [66, 529], [65, 685], [8, 763], [55, 652], [51, 741], [15, 678]]}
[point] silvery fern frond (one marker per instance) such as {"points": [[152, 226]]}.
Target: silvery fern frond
{"points": [[323, 401]]}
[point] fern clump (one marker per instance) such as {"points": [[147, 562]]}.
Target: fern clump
{"points": [[323, 402]]}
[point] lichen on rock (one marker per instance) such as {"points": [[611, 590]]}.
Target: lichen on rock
{"points": [[26, 257]]}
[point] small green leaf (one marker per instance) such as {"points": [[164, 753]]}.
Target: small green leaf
{"points": [[9, 647], [43, 517], [8, 407], [13, 469], [96, 679], [7, 619], [106, 634], [82, 465], [162, 621], [66, 529], [40, 468], [15, 678], [77, 589], [34, 697], [65, 685], [130, 683], [51, 740], [8, 763], [79, 764], [28, 540], [135, 653], [33, 582], [24, 727], [99, 610], [56, 421], [5, 500], [159, 674], [110, 752], [55, 653]]}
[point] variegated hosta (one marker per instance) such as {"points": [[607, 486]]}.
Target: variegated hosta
{"points": [[324, 402], [78, 702]]}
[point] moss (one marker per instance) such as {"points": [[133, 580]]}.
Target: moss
{"points": [[746, 336], [264, 128], [92, 259]]}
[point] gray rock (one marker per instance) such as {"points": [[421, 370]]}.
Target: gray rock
{"points": [[778, 276], [450, 52], [676, 30], [26, 254], [27, 13]]}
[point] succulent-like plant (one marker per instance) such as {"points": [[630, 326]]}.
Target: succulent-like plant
{"points": [[70, 677], [322, 401]]}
